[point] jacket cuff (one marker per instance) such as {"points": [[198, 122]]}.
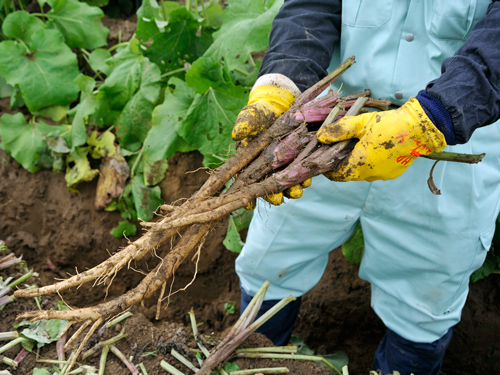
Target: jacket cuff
{"points": [[439, 116]]}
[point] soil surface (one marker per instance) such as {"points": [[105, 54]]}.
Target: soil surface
{"points": [[42, 221]]}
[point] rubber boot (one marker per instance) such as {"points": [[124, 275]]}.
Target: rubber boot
{"points": [[398, 354]]}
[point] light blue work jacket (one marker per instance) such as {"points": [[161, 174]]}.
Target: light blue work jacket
{"points": [[420, 249], [413, 38]]}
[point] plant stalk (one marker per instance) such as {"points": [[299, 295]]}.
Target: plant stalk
{"points": [[289, 356], [171, 369], [12, 344], [119, 319], [183, 360], [271, 370], [11, 335], [143, 368], [103, 344], [455, 157], [102, 361], [134, 370], [271, 349], [9, 362]]}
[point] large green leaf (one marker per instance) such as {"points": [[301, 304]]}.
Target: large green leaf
{"points": [[97, 60], [79, 22], [87, 106], [6, 90], [491, 263], [147, 16], [162, 140], [245, 29], [124, 79], [174, 47], [146, 199], [238, 220], [45, 73], [124, 228], [211, 116], [21, 25], [133, 124], [354, 247], [27, 142]]}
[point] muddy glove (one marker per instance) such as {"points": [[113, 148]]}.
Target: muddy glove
{"points": [[271, 95], [389, 142]]}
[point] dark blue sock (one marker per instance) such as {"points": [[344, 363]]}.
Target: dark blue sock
{"points": [[278, 329]]}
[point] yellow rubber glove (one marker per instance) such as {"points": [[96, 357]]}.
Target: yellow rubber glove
{"points": [[271, 95], [389, 142]]}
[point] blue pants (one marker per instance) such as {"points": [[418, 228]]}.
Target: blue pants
{"points": [[393, 353]]}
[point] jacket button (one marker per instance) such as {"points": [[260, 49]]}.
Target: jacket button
{"points": [[409, 37], [398, 95]]}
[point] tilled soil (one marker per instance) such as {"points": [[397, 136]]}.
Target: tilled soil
{"points": [[41, 220]]}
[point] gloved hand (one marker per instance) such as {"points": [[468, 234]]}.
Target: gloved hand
{"points": [[389, 142], [271, 95]]}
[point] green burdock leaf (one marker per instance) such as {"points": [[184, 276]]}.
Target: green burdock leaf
{"points": [[124, 79], [354, 247], [27, 142], [302, 347], [45, 73], [211, 116], [21, 25], [124, 228], [174, 47], [214, 14], [146, 199], [245, 29], [126, 204], [103, 116], [6, 90], [56, 113], [162, 140], [147, 16], [246, 74], [78, 168], [338, 359], [97, 3], [238, 221], [101, 146], [98, 59], [154, 171], [491, 263], [231, 366], [16, 100], [79, 23], [86, 107], [133, 124], [40, 371], [44, 331]]}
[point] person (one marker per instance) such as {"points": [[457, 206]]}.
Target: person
{"points": [[439, 62]]}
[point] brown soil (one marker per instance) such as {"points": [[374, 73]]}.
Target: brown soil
{"points": [[41, 220]]}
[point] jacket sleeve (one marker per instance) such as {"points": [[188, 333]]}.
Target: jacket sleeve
{"points": [[302, 39], [469, 86]]}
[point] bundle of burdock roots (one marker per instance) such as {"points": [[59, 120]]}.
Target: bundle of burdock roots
{"points": [[287, 153]]}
